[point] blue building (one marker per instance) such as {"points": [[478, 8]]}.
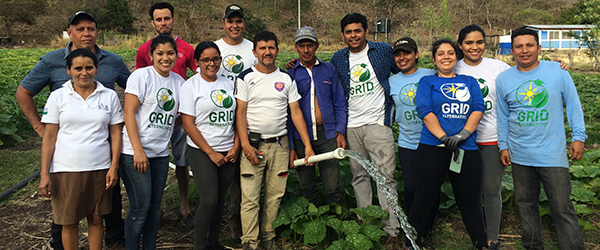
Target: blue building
{"points": [[551, 37], [555, 36]]}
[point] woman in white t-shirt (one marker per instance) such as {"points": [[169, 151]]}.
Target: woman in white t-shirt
{"points": [[471, 40], [83, 126], [208, 109], [151, 103]]}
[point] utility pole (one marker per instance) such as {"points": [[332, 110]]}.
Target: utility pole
{"points": [[298, 14]]}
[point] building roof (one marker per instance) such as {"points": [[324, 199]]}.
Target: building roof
{"points": [[561, 26]]}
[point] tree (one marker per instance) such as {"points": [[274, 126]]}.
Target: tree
{"points": [[115, 15], [588, 12], [531, 16]]}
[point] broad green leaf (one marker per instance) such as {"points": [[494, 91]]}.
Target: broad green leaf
{"points": [[312, 210], [373, 232], [359, 242], [283, 218], [298, 223], [336, 224], [586, 226], [580, 193], [314, 232], [296, 210], [338, 245], [303, 202], [323, 209], [350, 227]]}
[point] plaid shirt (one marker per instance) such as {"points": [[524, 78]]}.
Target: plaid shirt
{"points": [[382, 59]]}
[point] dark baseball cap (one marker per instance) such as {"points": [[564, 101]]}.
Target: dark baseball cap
{"points": [[234, 8], [406, 44], [79, 15], [305, 33]]}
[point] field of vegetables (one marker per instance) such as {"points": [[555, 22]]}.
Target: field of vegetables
{"points": [[450, 234]]}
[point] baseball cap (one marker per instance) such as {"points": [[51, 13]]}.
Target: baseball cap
{"points": [[406, 44], [305, 33], [81, 15], [234, 8]]}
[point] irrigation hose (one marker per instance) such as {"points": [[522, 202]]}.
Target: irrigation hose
{"points": [[19, 185]]}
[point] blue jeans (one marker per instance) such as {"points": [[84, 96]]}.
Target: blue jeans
{"points": [[145, 192], [557, 185]]}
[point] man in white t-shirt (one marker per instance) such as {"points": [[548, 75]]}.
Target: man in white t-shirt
{"points": [[237, 57], [264, 93], [364, 68]]}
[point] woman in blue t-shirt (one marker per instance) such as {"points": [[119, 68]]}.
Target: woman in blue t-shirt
{"points": [[451, 106]]}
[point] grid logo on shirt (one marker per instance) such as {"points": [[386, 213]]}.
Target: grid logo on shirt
{"points": [[407, 94], [484, 88], [233, 63], [360, 73], [165, 99], [532, 94], [221, 99], [456, 91]]}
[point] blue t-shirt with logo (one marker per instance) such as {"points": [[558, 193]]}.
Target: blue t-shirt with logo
{"points": [[451, 100], [403, 89], [531, 114]]}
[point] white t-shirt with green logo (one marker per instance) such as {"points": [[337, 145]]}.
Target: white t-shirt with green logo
{"points": [[367, 97], [485, 73], [236, 58], [213, 106], [159, 102], [84, 126], [267, 97]]}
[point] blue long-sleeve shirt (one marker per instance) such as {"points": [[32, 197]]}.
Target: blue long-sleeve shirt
{"points": [[451, 100], [382, 60], [329, 94], [531, 117], [51, 70]]}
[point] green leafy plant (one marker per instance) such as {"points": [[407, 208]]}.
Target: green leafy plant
{"points": [[312, 224]]}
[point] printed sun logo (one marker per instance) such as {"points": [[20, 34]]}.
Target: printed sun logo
{"points": [[407, 94], [484, 88], [165, 99], [532, 94], [221, 99], [233, 63], [360, 73], [456, 91]]}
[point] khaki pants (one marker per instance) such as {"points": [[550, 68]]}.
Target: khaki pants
{"points": [[274, 169], [376, 143]]}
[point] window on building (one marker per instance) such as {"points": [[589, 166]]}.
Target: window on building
{"points": [[565, 34], [554, 35]]}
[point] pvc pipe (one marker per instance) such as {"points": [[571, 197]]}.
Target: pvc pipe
{"points": [[338, 153]]}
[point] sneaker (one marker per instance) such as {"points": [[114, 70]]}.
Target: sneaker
{"points": [[188, 219], [235, 227], [246, 246], [494, 246], [269, 245]]}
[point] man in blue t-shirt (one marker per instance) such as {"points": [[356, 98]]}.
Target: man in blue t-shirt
{"points": [[531, 138], [51, 71]]}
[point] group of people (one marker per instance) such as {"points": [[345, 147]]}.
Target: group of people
{"points": [[240, 122]]}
